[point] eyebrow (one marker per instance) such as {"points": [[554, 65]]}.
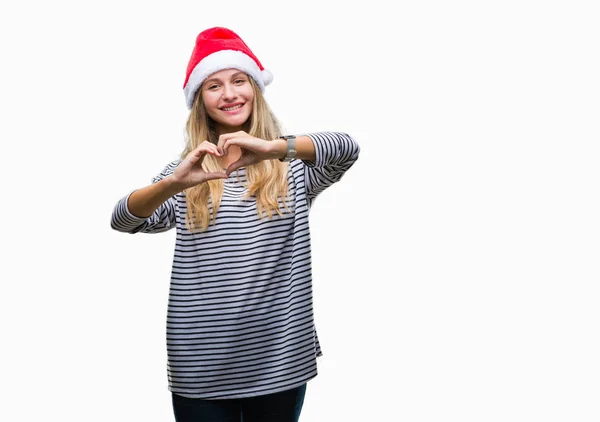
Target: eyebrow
{"points": [[235, 75]]}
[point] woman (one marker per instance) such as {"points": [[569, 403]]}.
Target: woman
{"points": [[241, 338]]}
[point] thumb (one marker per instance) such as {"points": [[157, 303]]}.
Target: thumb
{"points": [[242, 162], [215, 175]]}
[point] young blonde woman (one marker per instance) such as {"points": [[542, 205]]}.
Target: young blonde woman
{"points": [[241, 337]]}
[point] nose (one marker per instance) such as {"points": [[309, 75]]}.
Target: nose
{"points": [[229, 92]]}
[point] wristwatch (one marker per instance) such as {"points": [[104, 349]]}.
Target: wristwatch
{"points": [[291, 148]]}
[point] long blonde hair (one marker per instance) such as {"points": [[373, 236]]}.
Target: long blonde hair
{"points": [[267, 180]]}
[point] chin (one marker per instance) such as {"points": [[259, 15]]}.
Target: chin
{"points": [[235, 122]]}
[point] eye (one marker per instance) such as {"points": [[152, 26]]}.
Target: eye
{"points": [[239, 81], [212, 86]]}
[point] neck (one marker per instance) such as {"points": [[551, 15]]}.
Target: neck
{"points": [[233, 154], [220, 129]]}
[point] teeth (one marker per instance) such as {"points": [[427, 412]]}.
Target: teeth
{"points": [[232, 108]]}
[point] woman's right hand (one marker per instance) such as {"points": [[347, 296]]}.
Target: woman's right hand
{"points": [[189, 172]]}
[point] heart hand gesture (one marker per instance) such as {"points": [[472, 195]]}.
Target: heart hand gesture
{"points": [[253, 149], [190, 173]]}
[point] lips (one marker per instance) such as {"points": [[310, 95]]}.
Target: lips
{"points": [[233, 107]]}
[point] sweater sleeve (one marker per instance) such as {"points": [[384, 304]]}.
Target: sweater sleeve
{"points": [[335, 152], [161, 220]]}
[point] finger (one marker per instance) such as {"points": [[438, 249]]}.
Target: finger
{"points": [[209, 146], [227, 136], [240, 134], [216, 175], [197, 155], [233, 167], [226, 144], [222, 139], [240, 142]]}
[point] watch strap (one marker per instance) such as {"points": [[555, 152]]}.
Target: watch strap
{"points": [[291, 148]]}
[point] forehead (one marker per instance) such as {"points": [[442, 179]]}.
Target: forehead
{"points": [[226, 74]]}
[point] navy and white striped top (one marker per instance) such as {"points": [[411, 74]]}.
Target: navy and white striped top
{"points": [[240, 313]]}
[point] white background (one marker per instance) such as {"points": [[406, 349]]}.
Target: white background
{"points": [[456, 264]]}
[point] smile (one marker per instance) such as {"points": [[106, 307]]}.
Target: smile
{"points": [[235, 107]]}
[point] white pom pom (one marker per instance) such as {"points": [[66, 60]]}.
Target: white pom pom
{"points": [[267, 77]]}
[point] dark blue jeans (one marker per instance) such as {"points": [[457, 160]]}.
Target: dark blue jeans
{"points": [[284, 406]]}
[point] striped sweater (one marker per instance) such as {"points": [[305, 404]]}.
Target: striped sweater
{"points": [[240, 313]]}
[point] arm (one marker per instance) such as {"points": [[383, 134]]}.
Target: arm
{"points": [[326, 155], [143, 202], [305, 148], [152, 209], [254, 150], [334, 154]]}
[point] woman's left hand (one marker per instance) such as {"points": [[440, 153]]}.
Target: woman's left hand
{"points": [[253, 149]]}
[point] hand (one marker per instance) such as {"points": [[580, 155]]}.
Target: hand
{"points": [[190, 173], [253, 149]]}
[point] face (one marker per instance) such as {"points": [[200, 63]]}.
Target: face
{"points": [[228, 96]]}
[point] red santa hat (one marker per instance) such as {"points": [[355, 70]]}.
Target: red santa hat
{"points": [[217, 49]]}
